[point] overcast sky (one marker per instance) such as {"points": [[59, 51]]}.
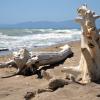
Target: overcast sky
{"points": [[15, 11]]}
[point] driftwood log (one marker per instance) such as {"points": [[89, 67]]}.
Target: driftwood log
{"points": [[28, 63], [89, 65]]}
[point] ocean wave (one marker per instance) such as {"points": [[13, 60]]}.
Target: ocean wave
{"points": [[36, 37]]}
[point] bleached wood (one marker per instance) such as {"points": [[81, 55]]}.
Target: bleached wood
{"points": [[89, 65], [90, 44], [24, 60], [48, 58]]}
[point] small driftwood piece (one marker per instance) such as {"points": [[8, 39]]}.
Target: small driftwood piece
{"points": [[53, 84], [4, 49], [89, 65], [28, 63]]}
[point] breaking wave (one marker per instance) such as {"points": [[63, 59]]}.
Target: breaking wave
{"points": [[17, 38]]}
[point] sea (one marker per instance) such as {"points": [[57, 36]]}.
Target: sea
{"points": [[14, 39]]}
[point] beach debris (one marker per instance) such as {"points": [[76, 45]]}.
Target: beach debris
{"points": [[28, 64], [89, 65], [53, 84], [29, 95], [98, 95], [46, 75], [56, 83], [4, 49]]}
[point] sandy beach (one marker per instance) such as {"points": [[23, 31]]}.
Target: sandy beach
{"points": [[15, 88]]}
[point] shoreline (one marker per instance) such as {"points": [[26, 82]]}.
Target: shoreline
{"points": [[36, 48], [75, 46], [56, 46]]}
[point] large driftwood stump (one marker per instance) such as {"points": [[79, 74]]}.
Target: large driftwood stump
{"points": [[89, 65], [90, 45], [28, 63]]}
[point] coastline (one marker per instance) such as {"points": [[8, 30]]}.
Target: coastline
{"points": [[73, 44]]}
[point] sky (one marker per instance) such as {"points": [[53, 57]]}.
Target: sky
{"points": [[16, 11]]}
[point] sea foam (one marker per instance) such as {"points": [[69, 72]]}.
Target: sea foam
{"points": [[17, 38]]}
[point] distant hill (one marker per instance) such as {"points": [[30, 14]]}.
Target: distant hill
{"points": [[46, 24]]}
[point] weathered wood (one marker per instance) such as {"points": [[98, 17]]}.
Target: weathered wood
{"points": [[4, 49], [89, 65], [27, 62], [90, 56], [53, 57]]}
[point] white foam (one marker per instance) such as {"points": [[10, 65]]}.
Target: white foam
{"points": [[43, 37]]}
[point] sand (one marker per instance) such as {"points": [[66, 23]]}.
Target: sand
{"points": [[15, 88]]}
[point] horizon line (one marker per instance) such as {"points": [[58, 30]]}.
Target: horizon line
{"points": [[35, 21]]}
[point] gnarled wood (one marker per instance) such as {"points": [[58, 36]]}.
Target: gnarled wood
{"points": [[90, 56], [29, 63], [89, 65], [50, 58]]}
